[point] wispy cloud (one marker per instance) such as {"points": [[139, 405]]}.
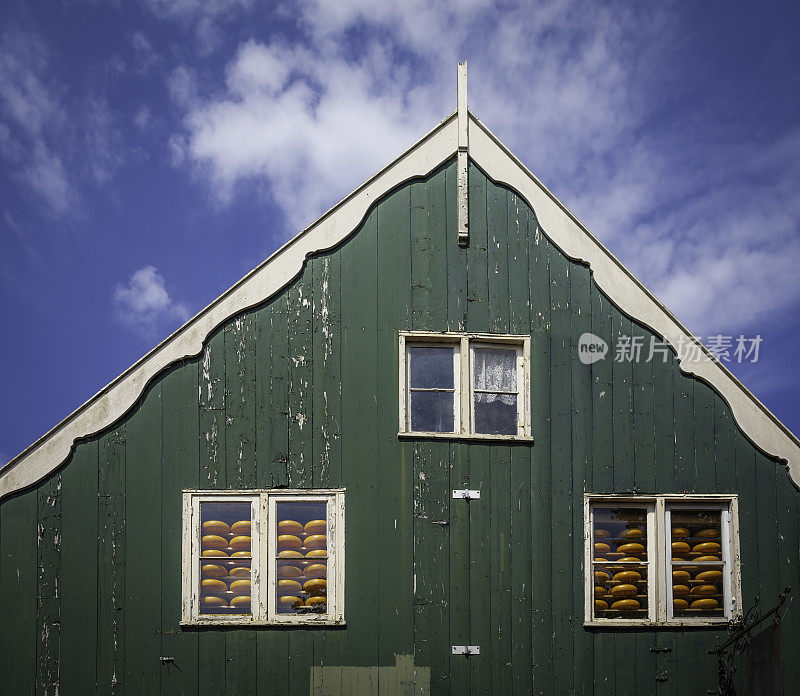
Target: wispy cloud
{"points": [[145, 306]]}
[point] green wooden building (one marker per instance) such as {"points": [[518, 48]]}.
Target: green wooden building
{"points": [[406, 455]]}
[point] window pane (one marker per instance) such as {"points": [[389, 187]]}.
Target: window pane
{"points": [[302, 561], [697, 566], [431, 367], [225, 558], [620, 563], [496, 414], [432, 412], [495, 369]]}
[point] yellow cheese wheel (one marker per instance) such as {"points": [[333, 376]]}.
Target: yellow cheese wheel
{"points": [[289, 601], [707, 547], [214, 553], [315, 527], [624, 590], [289, 541], [680, 576], [601, 559], [707, 603], [709, 576], [316, 570], [240, 587], [680, 590], [240, 572], [600, 604], [241, 543], [600, 576], [288, 571], [289, 527], [601, 533], [599, 591], [242, 527], [290, 554], [287, 587], [316, 586], [627, 576], [212, 541], [631, 548], [707, 558], [626, 605], [316, 542], [215, 527], [680, 604], [680, 547], [602, 548], [316, 601], [704, 590], [240, 554], [634, 533], [213, 571], [212, 586], [211, 601], [708, 533], [631, 559], [317, 553], [679, 532], [241, 602]]}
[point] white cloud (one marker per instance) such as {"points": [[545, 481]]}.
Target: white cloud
{"points": [[572, 88], [144, 304], [145, 55]]}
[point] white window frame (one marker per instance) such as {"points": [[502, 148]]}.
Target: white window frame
{"points": [[464, 402], [263, 552], [659, 557]]}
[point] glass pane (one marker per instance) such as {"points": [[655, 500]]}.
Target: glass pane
{"points": [[495, 369], [432, 412], [225, 560], [431, 367], [302, 562], [697, 566], [496, 414], [620, 563]]}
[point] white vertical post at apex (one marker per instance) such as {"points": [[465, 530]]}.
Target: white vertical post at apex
{"points": [[463, 156]]}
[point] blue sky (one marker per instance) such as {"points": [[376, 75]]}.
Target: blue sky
{"points": [[154, 151]]}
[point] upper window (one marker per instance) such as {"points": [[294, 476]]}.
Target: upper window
{"points": [[263, 557], [663, 559], [472, 385]]}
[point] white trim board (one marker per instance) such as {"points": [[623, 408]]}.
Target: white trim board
{"points": [[558, 224]]}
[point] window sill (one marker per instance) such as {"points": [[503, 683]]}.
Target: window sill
{"points": [[215, 623], [634, 623], [465, 436]]}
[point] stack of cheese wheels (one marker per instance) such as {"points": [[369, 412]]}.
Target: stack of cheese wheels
{"points": [[302, 565], [225, 560], [696, 588]]}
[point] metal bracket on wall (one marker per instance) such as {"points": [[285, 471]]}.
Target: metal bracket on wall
{"points": [[466, 650], [466, 494]]}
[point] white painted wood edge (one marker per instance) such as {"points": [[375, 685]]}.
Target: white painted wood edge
{"points": [[269, 278], [760, 426]]}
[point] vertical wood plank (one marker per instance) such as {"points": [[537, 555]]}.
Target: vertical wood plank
{"points": [[456, 257], [622, 374], [477, 268], [48, 614], [460, 617], [705, 465], [643, 417], [481, 549], [301, 424], [427, 275], [78, 582], [602, 398], [497, 257], [111, 563], [500, 575]]}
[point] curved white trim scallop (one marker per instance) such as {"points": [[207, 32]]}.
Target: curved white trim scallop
{"points": [[114, 400], [559, 225]]}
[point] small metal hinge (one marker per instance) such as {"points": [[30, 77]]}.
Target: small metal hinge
{"points": [[466, 494], [466, 650]]}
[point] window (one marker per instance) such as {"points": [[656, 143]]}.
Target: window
{"points": [[465, 385], [263, 557], [662, 560]]}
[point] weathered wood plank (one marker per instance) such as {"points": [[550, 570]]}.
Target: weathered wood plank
{"points": [[18, 639], [460, 616], [477, 268], [521, 569], [143, 498], [456, 257], [78, 581], [602, 397], [622, 376], [111, 525], [643, 416], [427, 275], [705, 464], [683, 414], [48, 613], [663, 422], [497, 257], [301, 419], [481, 550], [519, 222], [501, 597], [788, 519], [180, 453]]}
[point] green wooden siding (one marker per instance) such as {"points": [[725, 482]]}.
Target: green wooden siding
{"points": [[303, 392]]}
